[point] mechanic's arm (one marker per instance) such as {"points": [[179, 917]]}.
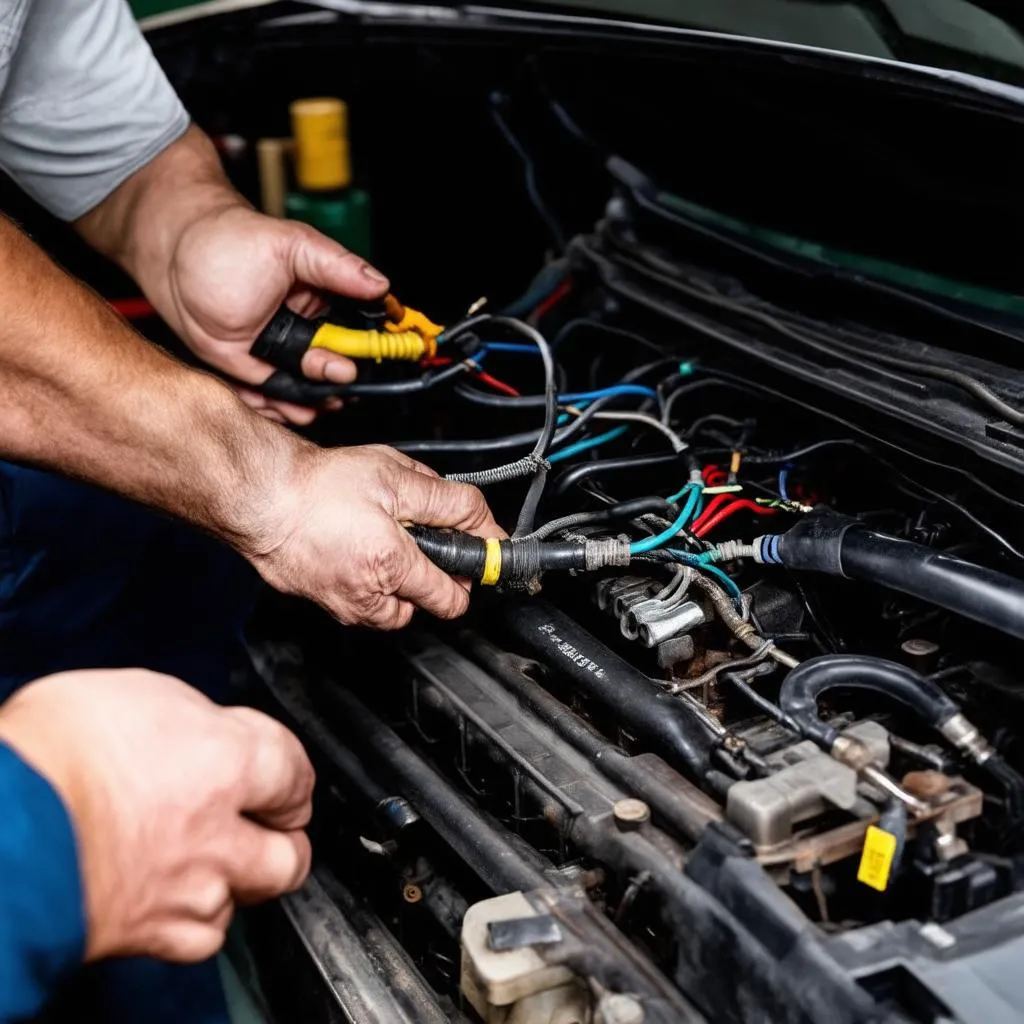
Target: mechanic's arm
{"points": [[136, 815], [91, 127], [216, 270], [87, 396]]}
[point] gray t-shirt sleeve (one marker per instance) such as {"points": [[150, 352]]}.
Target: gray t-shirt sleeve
{"points": [[85, 104]]}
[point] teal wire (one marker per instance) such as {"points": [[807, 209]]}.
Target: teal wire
{"points": [[682, 490], [639, 547], [698, 563], [586, 444]]}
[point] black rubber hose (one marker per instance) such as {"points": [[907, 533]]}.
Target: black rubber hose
{"points": [[985, 595], [644, 708], [842, 546], [462, 554], [805, 684]]}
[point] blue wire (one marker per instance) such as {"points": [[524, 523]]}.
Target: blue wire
{"points": [[783, 474], [587, 443], [511, 346], [615, 389], [639, 547]]}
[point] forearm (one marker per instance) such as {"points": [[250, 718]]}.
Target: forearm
{"points": [[85, 395], [140, 224]]}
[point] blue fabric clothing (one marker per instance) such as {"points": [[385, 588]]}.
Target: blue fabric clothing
{"points": [[42, 926], [89, 580]]}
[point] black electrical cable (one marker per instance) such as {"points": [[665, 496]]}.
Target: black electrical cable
{"points": [[726, 379], [521, 440], [609, 514], [578, 323], [820, 270], [981, 391], [833, 346], [713, 417], [752, 386], [287, 387], [530, 171], [496, 401], [531, 503], [740, 681], [709, 330], [577, 474], [993, 598], [691, 385], [429, 380], [799, 453]]}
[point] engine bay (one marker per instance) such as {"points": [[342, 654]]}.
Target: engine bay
{"points": [[743, 689], [732, 729]]}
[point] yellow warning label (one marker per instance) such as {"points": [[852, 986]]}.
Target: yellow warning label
{"points": [[876, 858]]}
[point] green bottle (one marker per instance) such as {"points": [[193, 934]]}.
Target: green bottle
{"points": [[325, 198]]}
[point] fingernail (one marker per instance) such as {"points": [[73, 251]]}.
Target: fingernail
{"points": [[339, 373], [373, 274]]}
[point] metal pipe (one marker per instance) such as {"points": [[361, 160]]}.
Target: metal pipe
{"points": [[674, 801], [496, 862], [369, 977]]}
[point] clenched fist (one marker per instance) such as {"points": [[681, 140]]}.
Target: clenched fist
{"points": [[180, 808], [340, 539]]}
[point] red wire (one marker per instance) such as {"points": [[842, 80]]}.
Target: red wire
{"points": [[708, 525], [709, 510], [714, 475], [498, 385], [551, 301], [133, 309]]}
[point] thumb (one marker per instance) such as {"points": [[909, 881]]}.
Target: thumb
{"points": [[319, 262]]}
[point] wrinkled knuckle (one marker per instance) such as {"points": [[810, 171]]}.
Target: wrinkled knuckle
{"points": [[390, 570], [210, 898], [457, 606], [366, 607]]}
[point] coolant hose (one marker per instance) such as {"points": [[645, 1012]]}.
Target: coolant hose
{"points": [[842, 546], [801, 689], [805, 684]]}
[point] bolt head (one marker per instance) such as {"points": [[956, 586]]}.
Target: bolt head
{"points": [[621, 1009], [918, 647], [630, 813]]}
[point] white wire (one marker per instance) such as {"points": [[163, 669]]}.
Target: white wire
{"points": [[678, 444]]}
